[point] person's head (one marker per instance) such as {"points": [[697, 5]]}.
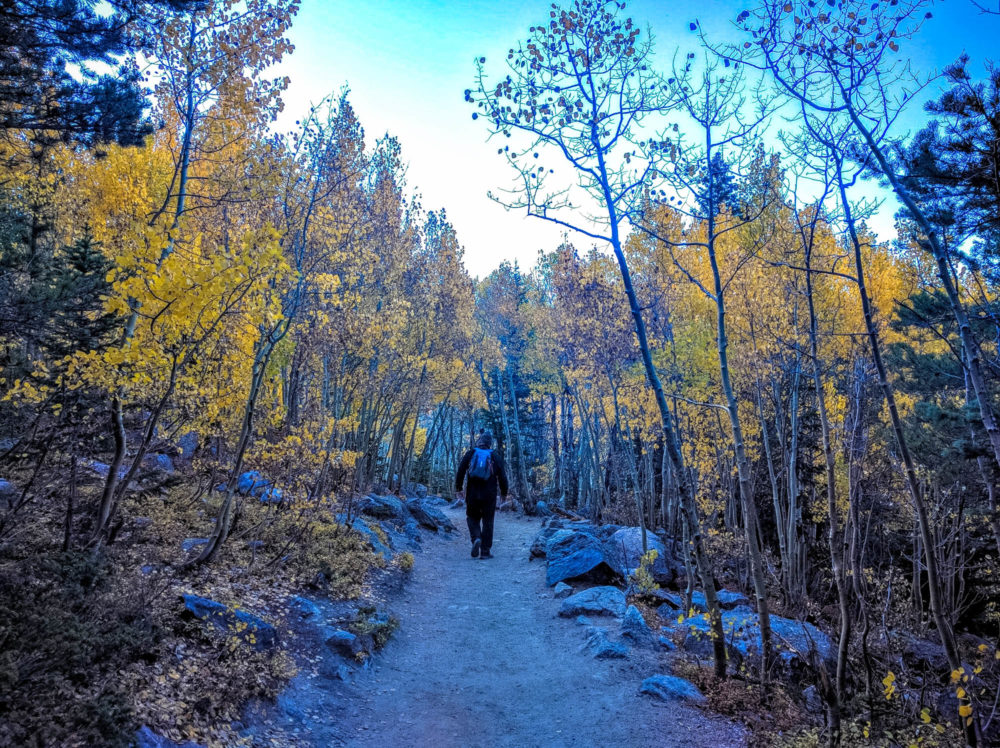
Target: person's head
{"points": [[485, 440]]}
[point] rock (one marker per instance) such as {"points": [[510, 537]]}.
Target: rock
{"points": [[793, 640], [600, 601], [577, 555], [584, 621], [252, 483], [187, 444], [349, 645], [671, 688], [429, 516], [305, 608], [541, 541], [147, 569], [542, 509], [381, 507], [624, 549], [420, 490], [634, 628], [562, 590], [729, 600], [669, 599], [159, 463], [189, 544], [666, 643], [141, 523], [813, 701], [146, 738], [922, 654], [8, 494], [243, 624], [602, 648], [365, 530]]}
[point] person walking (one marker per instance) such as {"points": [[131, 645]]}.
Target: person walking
{"points": [[482, 472]]}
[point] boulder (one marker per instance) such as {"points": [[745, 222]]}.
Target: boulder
{"points": [[602, 648], [187, 444], [625, 552], [576, 555], [252, 483], [541, 540], [243, 624], [671, 688], [600, 601], [634, 628], [921, 654], [727, 600], [667, 599], [429, 516], [146, 738], [381, 507], [562, 590], [159, 463], [793, 640]]}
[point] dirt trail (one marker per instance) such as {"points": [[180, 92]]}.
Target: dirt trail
{"points": [[481, 660]]}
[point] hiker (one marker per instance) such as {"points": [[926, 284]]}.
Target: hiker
{"points": [[485, 470]]}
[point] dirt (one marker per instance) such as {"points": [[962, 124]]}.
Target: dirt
{"points": [[481, 659]]}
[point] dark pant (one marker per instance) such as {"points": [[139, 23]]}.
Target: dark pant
{"points": [[479, 516]]}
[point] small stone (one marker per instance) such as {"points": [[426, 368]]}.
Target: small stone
{"points": [[562, 590]]}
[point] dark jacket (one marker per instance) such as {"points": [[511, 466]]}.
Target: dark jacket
{"points": [[480, 490]]}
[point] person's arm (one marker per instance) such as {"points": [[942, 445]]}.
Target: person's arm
{"points": [[501, 473], [463, 467]]}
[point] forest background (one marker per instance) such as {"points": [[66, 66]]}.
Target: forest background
{"points": [[189, 296]]}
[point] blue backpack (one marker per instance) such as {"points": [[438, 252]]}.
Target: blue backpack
{"points": [[481, 467]]}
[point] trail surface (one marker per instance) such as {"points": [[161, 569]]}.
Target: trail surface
{"points": [[481, 660]]}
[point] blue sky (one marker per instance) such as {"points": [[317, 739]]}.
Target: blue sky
{"points": [[408, 62]]}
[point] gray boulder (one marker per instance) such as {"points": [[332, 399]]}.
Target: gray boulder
{"points": [[671, 688], [243, 624], [381, 507], [429, 516], [602, 648], [541, 541], [634, 628], [625, 551], [794, 641], [159, 463], [600, 601], [727, 600], [576, 555]]}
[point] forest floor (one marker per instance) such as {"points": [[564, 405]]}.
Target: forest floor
{"points": [[481, 659]]}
